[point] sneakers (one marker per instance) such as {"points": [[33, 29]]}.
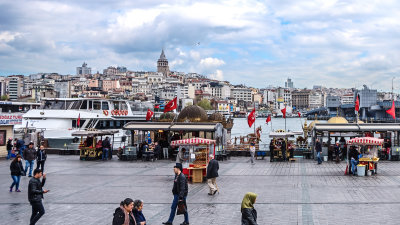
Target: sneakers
{"points": [[30, 176], [17, 190], [167, 223], [184, 223], [210, 194], [10, 189]]}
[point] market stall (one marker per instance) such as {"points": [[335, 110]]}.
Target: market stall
{"points": [[279, 139], [195, 157], [90, 147], [369, 149]]}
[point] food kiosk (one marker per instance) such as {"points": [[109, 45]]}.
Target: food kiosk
{"points": [[369, 149], [87, 147], [196, 156]]}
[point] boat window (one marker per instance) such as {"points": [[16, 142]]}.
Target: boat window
{"points": [[74, 122], [116, 106], [84, 104], [90, 104], [111, 124], [124, 106], [97, 105], [118, 123], [76, 104], [104, 106]]}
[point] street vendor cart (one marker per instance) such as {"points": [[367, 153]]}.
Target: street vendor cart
{"points": [[88, 147], [369, 149], [196, 158]]}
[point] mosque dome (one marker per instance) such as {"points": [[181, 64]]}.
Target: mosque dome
{"points": [[337, 119], [216, 117], [193, 113]]}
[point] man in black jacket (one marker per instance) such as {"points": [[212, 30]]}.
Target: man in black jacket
{"points": [[318, 149], [35, 195], [212, 174], [29, 156], [9, 148], [180, 191], [41, 157], [106, 147]]}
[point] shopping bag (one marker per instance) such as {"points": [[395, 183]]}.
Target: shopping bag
{"points": [[182, 208]]}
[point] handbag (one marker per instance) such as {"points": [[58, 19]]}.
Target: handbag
{"points": [[23, 173], [182, 208]]}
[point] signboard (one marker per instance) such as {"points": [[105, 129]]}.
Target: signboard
{"points": [[11, 118]]}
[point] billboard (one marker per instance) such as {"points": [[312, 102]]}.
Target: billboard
{"points": [[10, 118]]}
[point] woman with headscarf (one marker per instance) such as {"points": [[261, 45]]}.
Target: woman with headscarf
{"points": [[249, 214], [123, 214]]}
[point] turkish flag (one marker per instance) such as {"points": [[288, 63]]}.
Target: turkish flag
{"points": [[268, 119], [157, 106], [284, 112], [251, 118], [392, 111], [149, 114], [171, 105], [357, 104], [78, 122], [298, 113]]}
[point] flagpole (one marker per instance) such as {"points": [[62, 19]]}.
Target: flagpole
{"points": [[285, 117]]}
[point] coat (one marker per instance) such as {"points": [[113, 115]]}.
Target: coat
{"points": [[35, 191], [119, 217], [41, 156], [249, 216], [212, 169], [180, 186], [16, 168], [30, 154], [318, 147]]}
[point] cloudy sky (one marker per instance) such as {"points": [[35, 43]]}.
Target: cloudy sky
{"points": [[258, 43]]}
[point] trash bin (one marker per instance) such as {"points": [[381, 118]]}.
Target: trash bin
{"points": [[360, 170]]}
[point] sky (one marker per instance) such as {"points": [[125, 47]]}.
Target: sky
{"points": [[332, 43]]}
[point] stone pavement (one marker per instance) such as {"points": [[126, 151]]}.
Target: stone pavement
{"points": [[87, 192]]}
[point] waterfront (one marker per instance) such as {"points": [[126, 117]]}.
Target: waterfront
{"points": [[240, 127], [87, 192]]}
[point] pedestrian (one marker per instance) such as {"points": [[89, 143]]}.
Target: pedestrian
{"points": [[157, 150], [180, 191], [180, 157], [249, 214], [318, 149], [9, 148], [16, 171], [212, 174], [123, 214], [106, 147], [35, 195], [252, 153], [283, 147], [41, 157], [138, 212], [337, 152], [29, 156]]}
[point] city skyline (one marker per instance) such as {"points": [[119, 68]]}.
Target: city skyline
{"points": [[251, 42]]}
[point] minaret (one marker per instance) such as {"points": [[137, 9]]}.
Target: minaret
{"points": [[162, 64]]}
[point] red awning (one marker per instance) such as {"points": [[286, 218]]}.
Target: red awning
{"points": [[193, 141], [365, 141]]}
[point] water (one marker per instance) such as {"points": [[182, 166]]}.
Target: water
{"points": [[241, 128]]}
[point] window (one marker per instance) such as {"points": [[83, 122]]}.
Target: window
{"points": [[96, 105], [116, 106], [84, 104], [104, 106]]}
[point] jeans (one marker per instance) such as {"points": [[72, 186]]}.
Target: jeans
{"points": [[173, 210], [30, 164], [16, 180], [165, 153], [104, 156], [353, 165], [252, 157], [37, 212], [9, 154], [319, 157], [40, 165]]}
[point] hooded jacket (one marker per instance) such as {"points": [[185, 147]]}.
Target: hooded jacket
{"points": [[119, 217], [249, 214]]}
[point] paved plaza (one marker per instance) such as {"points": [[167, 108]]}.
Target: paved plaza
{"points": [[87, 192]]}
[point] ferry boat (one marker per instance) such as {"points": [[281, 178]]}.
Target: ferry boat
{"points": [[58, 118]]}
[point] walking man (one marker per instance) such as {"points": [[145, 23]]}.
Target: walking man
{"points": [[29, 156], [318, 149], [180, 191], [41, 157], [35, 195], [106, 147], [252, 153], [212, 174]]}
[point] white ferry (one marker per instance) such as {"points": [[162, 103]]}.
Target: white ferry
{"points": [[57, 118]]}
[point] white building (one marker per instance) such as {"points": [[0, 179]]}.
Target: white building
{"points": [[241, 93], [83, 70], [347, 99], [316, 100]]}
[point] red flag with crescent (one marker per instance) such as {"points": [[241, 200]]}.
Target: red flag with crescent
{"points": [[78, 122], [268, 119], [149, 114], [284, 112], [251, 118], [298, 113], [357, 104], [392, 111], [171, 105]]}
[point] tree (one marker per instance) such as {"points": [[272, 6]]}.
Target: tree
{"points": [[205, 104], [4, 97]]}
